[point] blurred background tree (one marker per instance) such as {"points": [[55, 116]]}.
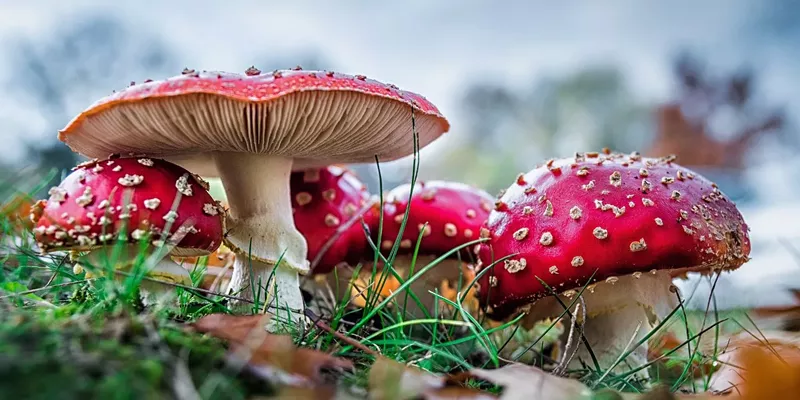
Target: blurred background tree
{"points": [[75, 66], [58, 76], [715, 121], [712, 123], [509, 129]]}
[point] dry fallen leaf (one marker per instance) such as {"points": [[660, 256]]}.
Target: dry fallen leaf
{"points": [[18, 210], [761, 369], [361, 288], [251, 342], [316, 393], [390, 380], [448, 288], [522, 382], [458, 393], [234, 328], [219, 268], [443, 278]]}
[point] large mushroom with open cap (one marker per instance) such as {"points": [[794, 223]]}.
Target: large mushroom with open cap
{"points": [[140, 203], [625, 221], [251, 130]]}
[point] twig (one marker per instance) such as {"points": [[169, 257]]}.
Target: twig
{"points": [[189, 288], [350, 341], [217, 281], [561, 368]]}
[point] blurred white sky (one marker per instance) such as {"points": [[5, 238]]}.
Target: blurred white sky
{"points": [[436, 47]]}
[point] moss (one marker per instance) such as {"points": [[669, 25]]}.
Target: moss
{"points": [[45, 355]]}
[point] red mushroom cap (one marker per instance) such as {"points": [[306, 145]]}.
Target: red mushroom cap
{"points": [[611, 213], [453, 211], [93, 204], [327, 204], [350, 118]]}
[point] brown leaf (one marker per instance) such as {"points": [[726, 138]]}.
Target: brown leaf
{"points": [[521, 382], [317, 393], [448, 288], [444, 276], [218, 271], [458, 393], [234, 328], [251, 342], [18, 209], [391, 380], [761, 369]]}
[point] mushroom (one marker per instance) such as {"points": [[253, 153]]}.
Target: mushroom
{"points": [[144, 203], [624, 220], [448, 215], [328, 204], [251, 130]]}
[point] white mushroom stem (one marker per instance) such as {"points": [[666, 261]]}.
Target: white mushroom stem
{"points": [[261, 232], [162, 269], [276, 290], [618, 316]]}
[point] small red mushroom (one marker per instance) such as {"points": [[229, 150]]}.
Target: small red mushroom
{"points": [[328, 204], [626, 220], [447, 215], [130, 200]]}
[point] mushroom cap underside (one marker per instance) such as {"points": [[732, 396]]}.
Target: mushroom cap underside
{"points": [[317, 118]]}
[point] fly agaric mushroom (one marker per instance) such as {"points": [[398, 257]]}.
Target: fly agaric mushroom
{"points": [[251, 130], [328, 204], [626, 219], [130, 200], [447, 214]]}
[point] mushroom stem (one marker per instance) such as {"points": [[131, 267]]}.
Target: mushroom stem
{"points": [[261, 230], [164, 269], [621, 314], [276, 288], [614, 312]]}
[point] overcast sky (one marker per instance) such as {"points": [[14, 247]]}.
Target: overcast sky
{"points": [[437, 47]]}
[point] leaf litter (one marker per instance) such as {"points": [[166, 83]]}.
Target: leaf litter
{"points": [[270, 355]]}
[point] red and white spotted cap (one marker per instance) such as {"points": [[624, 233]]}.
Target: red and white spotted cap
{"points": [[608, 214], [327, 204], [454, 213], [317, 118], [99, 198]]}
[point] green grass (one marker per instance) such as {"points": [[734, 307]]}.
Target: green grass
{"points": [[65, 336]]}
